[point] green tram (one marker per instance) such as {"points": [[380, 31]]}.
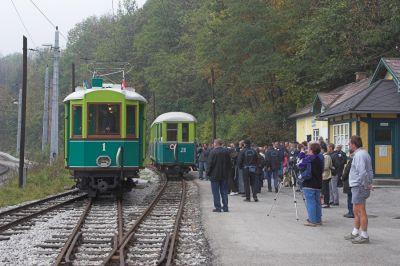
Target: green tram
{"points": [[104, 137], [172, 142]]}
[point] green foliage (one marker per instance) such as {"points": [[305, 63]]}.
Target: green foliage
{"points": [[42, 181], [269, 58]]}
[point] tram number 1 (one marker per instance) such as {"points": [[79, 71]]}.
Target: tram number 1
{"points": [[104, 147], [183, 149]]}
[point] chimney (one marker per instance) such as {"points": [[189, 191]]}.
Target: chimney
{"points": [[361, 76]]}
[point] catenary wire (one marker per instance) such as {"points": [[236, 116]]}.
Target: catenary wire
{"points": [[22, 22]]}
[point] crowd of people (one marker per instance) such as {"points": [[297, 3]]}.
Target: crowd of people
{"points": [[316, 169]]}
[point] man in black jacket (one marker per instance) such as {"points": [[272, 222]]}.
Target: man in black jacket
{"points": [[219, 168], [274, 158], [248, 162], [339, 159]]}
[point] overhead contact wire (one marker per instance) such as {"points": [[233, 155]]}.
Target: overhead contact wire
{"points": [[22, 22]]}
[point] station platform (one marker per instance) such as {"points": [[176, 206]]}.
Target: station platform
{"points": [[247, 236]]}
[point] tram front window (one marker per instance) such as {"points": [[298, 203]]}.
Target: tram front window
{"points": [[104, 119]]}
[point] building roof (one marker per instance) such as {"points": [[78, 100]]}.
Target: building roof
{"points": [[174, 117], [305, 111], [80, 93], [328, 98], [394, 64], [380, 97], [391, 65], [349, 90], [334, 97]]}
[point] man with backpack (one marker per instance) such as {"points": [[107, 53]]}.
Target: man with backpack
{"points": [[248, 162], [274, 158]]}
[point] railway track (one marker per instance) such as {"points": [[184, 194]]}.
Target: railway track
{"points": [[15, 217], [151, 240], [103, 231], [119, 232]]}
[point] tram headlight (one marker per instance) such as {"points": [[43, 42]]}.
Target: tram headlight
{"points": [[103, 161]]}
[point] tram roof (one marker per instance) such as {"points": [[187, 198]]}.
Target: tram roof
{"points": [[175, 117], [80, 93]]}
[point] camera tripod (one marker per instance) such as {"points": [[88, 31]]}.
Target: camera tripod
{"points": [[292, 174]]}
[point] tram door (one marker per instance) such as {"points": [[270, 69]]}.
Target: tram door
{"points": [[383, 135]]}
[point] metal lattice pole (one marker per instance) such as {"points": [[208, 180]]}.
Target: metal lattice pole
{"points": [[45, 109], [54, 101]]}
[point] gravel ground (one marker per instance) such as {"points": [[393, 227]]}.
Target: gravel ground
{"points": [[21, 249], [193, 248]]}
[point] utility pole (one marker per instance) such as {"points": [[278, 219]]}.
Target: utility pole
{"points": [[73, 77], [45, 109], [19, 120], [214, 112], [54, 101], [21, 172], [154, 105]]}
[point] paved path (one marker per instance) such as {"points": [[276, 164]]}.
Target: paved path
{"points": [[247, 236]]}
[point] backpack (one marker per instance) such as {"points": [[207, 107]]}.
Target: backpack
{"points": [[250, 160], [274, 156]]}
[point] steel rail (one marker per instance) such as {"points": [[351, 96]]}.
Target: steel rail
{"points": [[33, 215], [7, 212], [66, 251], [170, 240], [172, 246], [118, 252], [120, 221]]}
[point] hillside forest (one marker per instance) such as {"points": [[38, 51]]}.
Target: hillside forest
{"points": [[269, 59]]}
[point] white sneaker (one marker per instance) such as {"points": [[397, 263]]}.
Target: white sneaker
{"points": [[233, 193]]}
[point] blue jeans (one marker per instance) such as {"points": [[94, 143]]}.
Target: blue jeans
{"points": [[313, 204], [202, 168], [273, 174], [241, 181], [220, 190], [349, 203]]}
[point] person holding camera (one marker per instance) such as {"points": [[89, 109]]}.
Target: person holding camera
{"points": [[314, 162]]}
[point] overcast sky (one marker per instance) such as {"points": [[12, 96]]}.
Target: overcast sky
{"points": [[64, 13]]}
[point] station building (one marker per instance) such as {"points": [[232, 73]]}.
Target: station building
{"points": [[309, 127], [369, 107]]}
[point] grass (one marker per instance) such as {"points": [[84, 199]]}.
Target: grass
{"points": [[42, 181]]}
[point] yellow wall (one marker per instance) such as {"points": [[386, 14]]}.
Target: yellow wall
{"points": [[364, 134], [304, 127], [383, 164], [354, 128]]}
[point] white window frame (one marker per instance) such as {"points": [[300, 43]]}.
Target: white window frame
{"points": [[341, 135], [315, 135]]}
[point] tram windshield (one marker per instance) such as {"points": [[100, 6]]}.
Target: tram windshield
{"points": [[104, 119]]}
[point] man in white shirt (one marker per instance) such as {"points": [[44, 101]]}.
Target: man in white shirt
{"points": [[360, 181]]}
